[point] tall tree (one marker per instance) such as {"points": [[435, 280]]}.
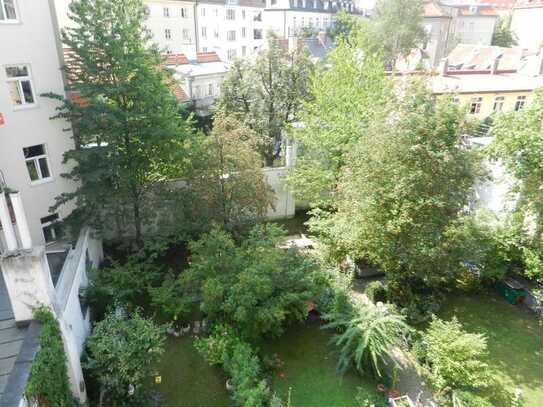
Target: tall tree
{"points": [[227, 177], [404, 185], [127, 125], [503, 36], [267, 94], [347, 97], [518, 143], [397, 27]]}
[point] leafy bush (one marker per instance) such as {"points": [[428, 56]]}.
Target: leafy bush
{"points": [[48, 383], [470, 399], [254, 285], [216, 346], [366, 336], [533, 264], [455, 358], [363, 399], [122, 352], [375, 291]]}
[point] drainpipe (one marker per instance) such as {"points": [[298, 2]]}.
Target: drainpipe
{"points": [[196, 33]]}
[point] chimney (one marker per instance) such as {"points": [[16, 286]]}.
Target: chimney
{"points": [[495, 64], [444, 66]]}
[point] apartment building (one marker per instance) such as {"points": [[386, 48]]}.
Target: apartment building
{"points": [[172, 24], [31, 144], [293, 17], [526, 23], [230, 28]]}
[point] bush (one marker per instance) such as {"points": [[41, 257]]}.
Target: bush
{"points": [[470, 399], [215, 347], [48, 383], [375, 291], [455, 358], [363, 399]]}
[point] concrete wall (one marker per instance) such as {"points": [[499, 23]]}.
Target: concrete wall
{"points": [[527, 25], [284, 202], [32, 41]]}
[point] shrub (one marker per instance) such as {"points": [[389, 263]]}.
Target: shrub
{"points": [[48, 383], [122, 352], [533, 265], [216, 346], [366, 336], [455, 358], [363, 399], [470, 399], [375, 291]]}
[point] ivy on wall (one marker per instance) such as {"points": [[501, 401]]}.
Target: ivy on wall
{"points": [[48, 383]]}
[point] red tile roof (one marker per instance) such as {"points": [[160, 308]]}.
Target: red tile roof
{"points": [[433, 9], [176, 59], [203, 57], [180, 94]]}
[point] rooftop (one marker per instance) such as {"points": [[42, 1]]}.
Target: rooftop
{"points": [[485, 83]]}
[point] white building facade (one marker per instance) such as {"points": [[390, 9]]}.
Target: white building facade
{"points": [[31, 144], [527, 23]]}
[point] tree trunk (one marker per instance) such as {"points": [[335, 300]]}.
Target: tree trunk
{"points": [[137, 219]]}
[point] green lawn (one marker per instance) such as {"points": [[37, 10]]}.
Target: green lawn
{"points": [[188, 380], [515, 341], [310, 370]]}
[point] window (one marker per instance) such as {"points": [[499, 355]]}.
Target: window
{"points": [[168, 34], [231, 35], [243, 14], [325, 22], [186, 34], [257, 34], [8, 12], [498, 103], [197, 92], [243, 51], [456, 100], [20, 85], [166, 12], [257, 16], [244, 32], [475, 106], [204, 49], [216, 33], [203, 12], [210, 89], [36, 162], [317, 22], [50, 226], [303, 22], [521, 101], [184, 13], [216, 12], [204, 33], [231, 54], [230, 14], [294, 22]]}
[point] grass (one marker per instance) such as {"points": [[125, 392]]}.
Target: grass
{"points": [[310, 370], [515, 341], [188, 380]]}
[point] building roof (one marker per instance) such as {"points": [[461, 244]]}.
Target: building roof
{"points": [[434, 9], [176, 59], [502, 4], [203, 57], [529, 4], [479, 11], [480, 58], [18, 347], [485, 83]]}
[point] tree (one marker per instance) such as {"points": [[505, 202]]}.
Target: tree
{"points": [[367, 337], [122, 352], [503, 36], [397, 27], [346, 98], [128, 128], [455, 358], [403, 186], [254, 286], [267, 94], [226, 176], [518, 144]]}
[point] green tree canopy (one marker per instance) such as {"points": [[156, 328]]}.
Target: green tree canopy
{"points": [[226, 176], [403, 185], [267, 94], [122, 353], [254, 285], [128, 128], [503, 36]]}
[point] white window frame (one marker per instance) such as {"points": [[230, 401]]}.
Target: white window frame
{"points": [[184, 13], [243, 32], [5, 20], [166, 12], [243, 50], [231, 35], [36, 162], [53, 229], [499, 102], [216, 33], [230, 14], [204, 33], [19, 79], [231, 53], [475, 105], [186, 35], [203, 12], [520, 103], [210, 89], [167, 34]]}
